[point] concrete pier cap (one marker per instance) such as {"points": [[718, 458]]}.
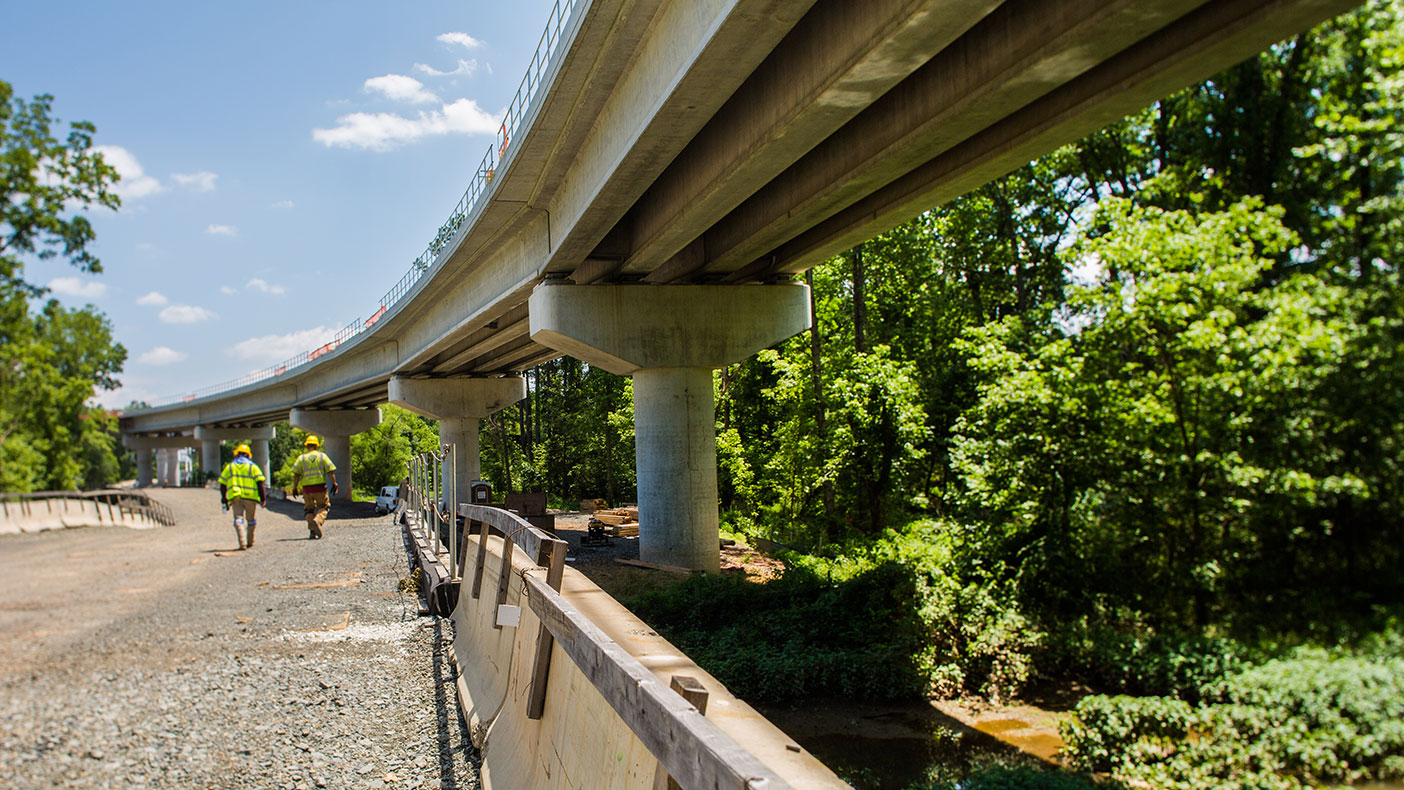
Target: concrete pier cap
{"points": [[336, 427], [458, 404], [669, 338]]}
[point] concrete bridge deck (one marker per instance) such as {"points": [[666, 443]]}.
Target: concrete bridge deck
{"points": [[157, 658]]}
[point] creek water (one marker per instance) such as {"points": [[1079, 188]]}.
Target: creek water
{"points": [[902, 745]]}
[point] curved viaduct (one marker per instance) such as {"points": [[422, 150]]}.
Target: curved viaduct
{"points": [[671, 164]]}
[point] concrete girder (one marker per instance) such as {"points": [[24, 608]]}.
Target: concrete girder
{"points": [[1020, 52], [458, 404], [336, 427], [670, 338], [840, 57], [1193, 48]]}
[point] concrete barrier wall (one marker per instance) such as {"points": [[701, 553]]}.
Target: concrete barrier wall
{"points": [[581, 741], [39, 515]]}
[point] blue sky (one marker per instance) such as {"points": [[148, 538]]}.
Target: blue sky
{"points": [[283, 163]]}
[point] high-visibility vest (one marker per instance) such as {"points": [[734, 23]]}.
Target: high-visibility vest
{"points": [[241, 478], [313, 467]]}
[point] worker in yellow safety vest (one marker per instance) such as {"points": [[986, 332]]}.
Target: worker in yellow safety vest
{"points": [[242, 489], [313, 471]]}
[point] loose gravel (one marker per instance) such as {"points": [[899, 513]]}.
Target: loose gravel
{"points": [[167, 659]]}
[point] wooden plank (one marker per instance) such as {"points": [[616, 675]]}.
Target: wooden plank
{"points": [[656, 566], [526, 536], [692, 690], [553, 558], [689, 747], [482, 560], [505, 578]]}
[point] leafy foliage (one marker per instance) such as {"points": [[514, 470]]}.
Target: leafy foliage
{"points": [[53, 359], [1306, 718]]}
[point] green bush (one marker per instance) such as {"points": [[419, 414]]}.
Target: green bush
{"points": [[880, 619], [1309, 717], [1137, 662]]}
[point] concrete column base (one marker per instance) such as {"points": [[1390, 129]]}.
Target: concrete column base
{"points": [[676, 459]]}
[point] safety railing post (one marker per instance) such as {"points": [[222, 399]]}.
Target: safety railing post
{"points": [[451, 454]]}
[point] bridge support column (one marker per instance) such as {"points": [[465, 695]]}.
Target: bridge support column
{"points": [[260, 456], [256, 436], [336, 427], [167, 454], [209, 456], [144, 470], [670, 338], [458, 404], [166, 468]]}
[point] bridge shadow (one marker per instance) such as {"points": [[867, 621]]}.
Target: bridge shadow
{"points": [[450, 724]]}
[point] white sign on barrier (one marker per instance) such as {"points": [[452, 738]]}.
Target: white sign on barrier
{"points": [[509, 616]]}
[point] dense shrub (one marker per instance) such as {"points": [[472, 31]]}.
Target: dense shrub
{"points": [[884, 619], [1312, 716], [1131, 661]]}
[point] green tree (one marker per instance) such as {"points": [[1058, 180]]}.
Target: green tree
{"points": [[379, 456], [51, 361], [41, 181]]}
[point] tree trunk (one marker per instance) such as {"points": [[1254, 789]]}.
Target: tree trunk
{"points": [[860, 309], [816, 374]]}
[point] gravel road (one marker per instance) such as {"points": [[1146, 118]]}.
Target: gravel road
{"points": [[165, 658]]}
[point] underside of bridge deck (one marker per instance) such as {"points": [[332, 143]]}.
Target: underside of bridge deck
{"points": [[682, 143]]}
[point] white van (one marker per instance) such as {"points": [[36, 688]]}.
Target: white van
{"points": [[388, 499]]}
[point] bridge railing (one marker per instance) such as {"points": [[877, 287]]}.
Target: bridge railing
{"points": [[563, 12]]}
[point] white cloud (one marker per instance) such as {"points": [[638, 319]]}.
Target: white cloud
{"points": [[222, 230], [227, 290], [465, 67], [72, 286], [384, 131], [162, 355], [264, 286], [203, 181], [146, 246], [282, 204], [401, 88], [135, 183], [276, 348], [462, 39], [185, 314], [153, 299]]}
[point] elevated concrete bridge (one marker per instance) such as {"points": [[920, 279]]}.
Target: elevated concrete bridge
{"points": [[669, 165]]}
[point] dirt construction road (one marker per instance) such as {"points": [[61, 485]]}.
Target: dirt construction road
{"points": [[165, 658]]}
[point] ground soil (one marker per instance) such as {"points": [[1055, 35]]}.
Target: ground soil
{"points": [[168, 658]]}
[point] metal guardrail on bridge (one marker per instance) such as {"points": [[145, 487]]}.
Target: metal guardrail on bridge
{"points": [[562, 13]]}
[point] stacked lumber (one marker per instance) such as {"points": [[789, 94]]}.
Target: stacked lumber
{"points": [[591, 505], [621, 522]]}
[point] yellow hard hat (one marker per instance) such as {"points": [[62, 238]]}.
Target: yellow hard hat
{"points": [[243, 449], [311, 441]]}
